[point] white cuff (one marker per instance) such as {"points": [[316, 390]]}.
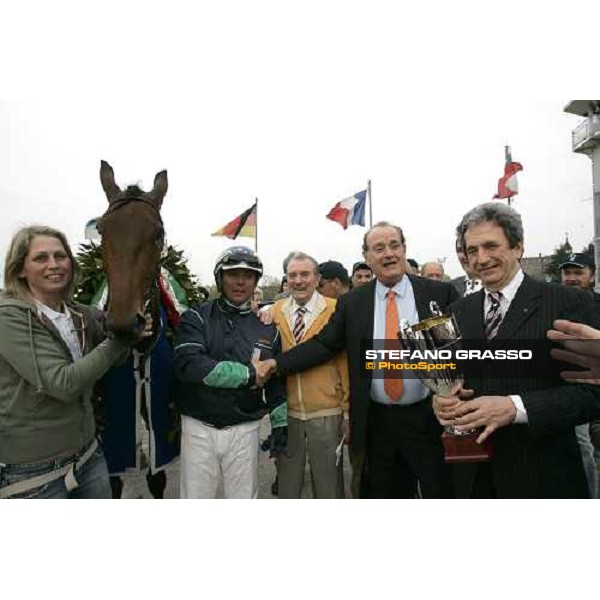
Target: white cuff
{"points": [[521, 412]]}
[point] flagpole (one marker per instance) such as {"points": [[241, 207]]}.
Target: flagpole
{"points": [[256, 230], [370, 204], [507, 160]]}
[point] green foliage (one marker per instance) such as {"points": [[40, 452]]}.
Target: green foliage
{"points": [[92, 275], [91, 272], [175, 264]]}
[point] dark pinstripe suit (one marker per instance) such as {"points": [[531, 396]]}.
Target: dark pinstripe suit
{"points": [[541, 459]]}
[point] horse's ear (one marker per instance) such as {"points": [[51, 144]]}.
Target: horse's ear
{"points": [[161, 184], [107, 178]]}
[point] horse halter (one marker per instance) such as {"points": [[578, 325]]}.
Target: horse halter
{"points": [[120, 202], [153, 290]]}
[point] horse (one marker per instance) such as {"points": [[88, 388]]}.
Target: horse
{"points": [[132, 241], [132, 233]]}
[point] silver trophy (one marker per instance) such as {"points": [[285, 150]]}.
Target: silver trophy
{"points": [[441, 332], [437, 333]]}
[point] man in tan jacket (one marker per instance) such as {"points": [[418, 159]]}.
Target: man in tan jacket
{"points": [[317, 398]]}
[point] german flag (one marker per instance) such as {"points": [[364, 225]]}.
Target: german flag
{"points": [[242, 226]]}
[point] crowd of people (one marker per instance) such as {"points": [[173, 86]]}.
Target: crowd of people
{"points": [[300, 361]]}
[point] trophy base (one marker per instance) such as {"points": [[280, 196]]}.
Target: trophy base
{"points": [[465, 449]]}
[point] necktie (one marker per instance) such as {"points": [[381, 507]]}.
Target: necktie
{"points": [[299, 324], [493, 318], [393, 385]]}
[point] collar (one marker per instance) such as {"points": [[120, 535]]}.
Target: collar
{"points": [[401, 288], [310, 306], [52, 314], [510, 290], [229, 307]]}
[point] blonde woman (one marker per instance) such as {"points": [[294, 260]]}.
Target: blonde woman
{"points": [[52, 352]]}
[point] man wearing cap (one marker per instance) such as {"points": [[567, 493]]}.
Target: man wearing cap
{"points": [[334, 279], [361, 274], [579, 271], [412, 267]]}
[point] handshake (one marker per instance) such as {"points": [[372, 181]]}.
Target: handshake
{"points": [[264, 369]]}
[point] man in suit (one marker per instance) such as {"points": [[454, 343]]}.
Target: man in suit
{"points": [[531, 417], [396, 427]]}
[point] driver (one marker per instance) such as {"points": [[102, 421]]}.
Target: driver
{"points": [[217, 345]]}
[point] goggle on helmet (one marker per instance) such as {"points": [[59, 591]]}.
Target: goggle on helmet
{"points": [[237, 257]]}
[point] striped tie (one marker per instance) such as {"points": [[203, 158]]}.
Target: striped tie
{"points": [[494, 315], [299, 324]]}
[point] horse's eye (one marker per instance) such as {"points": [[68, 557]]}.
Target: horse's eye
{"points": [[160, 238]]}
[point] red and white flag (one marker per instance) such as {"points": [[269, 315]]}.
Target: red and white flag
{"points": [[508, 186]]}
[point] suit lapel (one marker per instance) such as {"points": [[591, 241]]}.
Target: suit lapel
{"points": [[524, 305], [470, 316], [422, 299], [366, 310]]}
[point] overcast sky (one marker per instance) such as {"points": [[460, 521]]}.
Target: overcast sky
{"points": [[236, 108], [298, 103]]}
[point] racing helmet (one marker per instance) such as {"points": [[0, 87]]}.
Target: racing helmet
{"points": [[237, 257]]}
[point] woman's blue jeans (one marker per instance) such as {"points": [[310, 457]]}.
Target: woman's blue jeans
{"points": [[92, 478]]}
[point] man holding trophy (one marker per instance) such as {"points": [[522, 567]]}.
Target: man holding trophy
{"points": [[391, 419], [530, 419]]}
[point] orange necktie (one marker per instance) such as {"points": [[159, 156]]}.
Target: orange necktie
{"points": [[393, 385]]}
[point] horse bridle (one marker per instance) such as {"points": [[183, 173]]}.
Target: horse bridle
{"points": [[119, 202], [154, 289]]}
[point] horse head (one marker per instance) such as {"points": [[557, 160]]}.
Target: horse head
{"points": [[132, 240]]}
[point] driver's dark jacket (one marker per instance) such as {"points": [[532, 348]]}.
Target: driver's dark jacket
{"points": [[209, 335]]}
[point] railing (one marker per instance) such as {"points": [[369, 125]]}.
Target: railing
{"points": [[584, 133]]}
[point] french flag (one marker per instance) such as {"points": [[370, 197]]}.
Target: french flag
{"points": [[350, 211]]}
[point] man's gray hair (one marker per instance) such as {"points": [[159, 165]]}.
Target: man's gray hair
{"points": [[297, 255], [432, 262], [501, 214], [383, 224]]}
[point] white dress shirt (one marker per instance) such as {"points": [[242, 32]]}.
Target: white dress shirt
{"points": [[508, 294], [414, 391], [310, 314]]}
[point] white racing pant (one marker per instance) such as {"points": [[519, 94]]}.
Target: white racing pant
{"points": [[210, 455]]}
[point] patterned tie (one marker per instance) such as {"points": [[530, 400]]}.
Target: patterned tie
{"points": [[299, 324], [494, 316], [393, 385]]}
